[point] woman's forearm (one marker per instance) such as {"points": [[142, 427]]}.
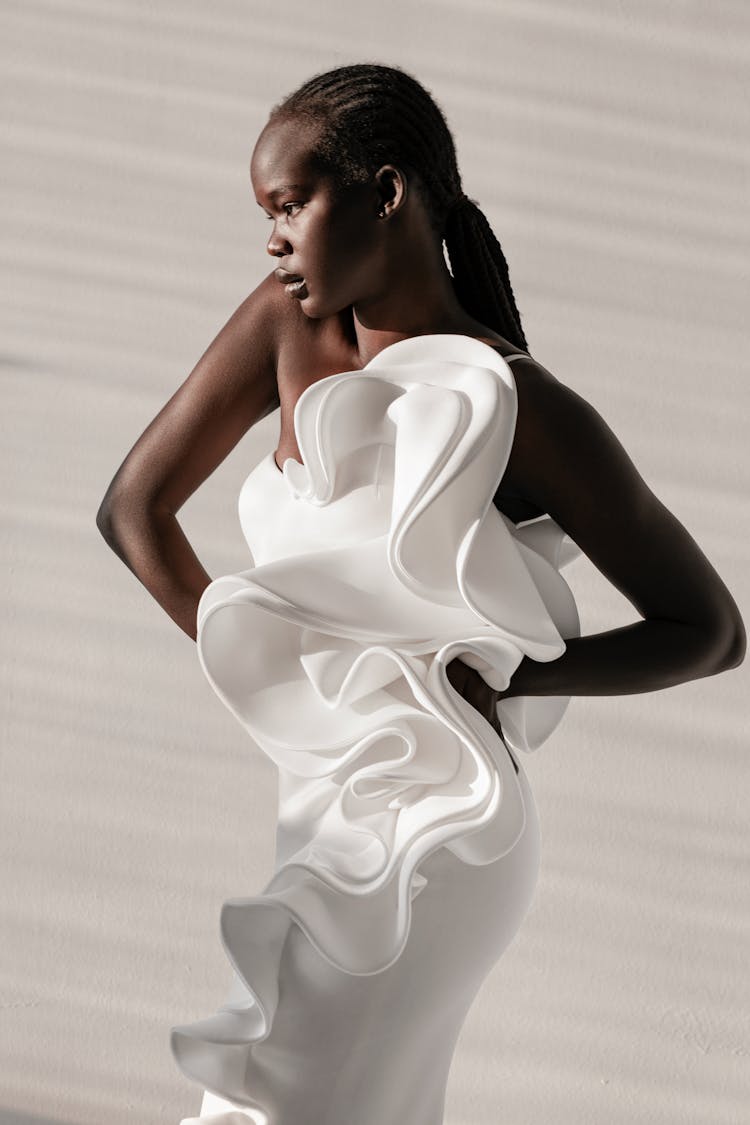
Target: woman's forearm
{"points": [[645, 656], [154, 547]]}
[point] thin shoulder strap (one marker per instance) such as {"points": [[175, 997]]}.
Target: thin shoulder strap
{"points": [[517, 355]]}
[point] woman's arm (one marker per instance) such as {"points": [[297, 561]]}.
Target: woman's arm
{"points": [[568, 461], [232, 386]]}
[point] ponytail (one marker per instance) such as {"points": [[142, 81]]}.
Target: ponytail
{"points": [[480, 271]]}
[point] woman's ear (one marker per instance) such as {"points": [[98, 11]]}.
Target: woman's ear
{"points": [[392, 188]]}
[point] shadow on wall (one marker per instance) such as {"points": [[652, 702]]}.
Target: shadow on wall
{"points": [[18, 1117]]}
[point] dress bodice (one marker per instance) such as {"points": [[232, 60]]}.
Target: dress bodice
{"points": [[275, 522]]}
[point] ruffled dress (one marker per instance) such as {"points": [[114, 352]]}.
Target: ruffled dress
{"points": [[407, 846]]}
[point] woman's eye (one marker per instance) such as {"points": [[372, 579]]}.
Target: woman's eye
{"points": [[284, 209]]}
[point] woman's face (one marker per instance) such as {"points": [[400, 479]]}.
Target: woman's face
{"points": [[327, 236]]}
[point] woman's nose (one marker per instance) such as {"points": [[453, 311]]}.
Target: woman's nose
{"points": [[277, 246]]}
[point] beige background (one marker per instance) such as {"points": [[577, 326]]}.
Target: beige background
{"points": [[607, 141]]}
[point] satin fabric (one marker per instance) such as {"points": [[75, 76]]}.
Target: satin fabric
{"points": [[407, 844]]}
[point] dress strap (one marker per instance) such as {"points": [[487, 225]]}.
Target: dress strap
{"points": [[517, 355]]}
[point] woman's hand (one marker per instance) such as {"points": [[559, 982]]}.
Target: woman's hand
{"points": [[476, 691]]}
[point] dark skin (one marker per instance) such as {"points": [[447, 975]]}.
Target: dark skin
{"points": [[374, 274]]}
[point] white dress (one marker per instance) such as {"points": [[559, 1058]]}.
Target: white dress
{"points": [[407, 846]]}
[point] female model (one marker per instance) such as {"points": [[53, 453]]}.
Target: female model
{"points": [[404, 628]]}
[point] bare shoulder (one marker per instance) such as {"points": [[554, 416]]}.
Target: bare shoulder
{"points": [[239, 364], [540, 395], [567, 459], [558, 433], [231, 387]]}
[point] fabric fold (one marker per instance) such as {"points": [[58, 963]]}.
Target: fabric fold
{"points": [[378, 560]]}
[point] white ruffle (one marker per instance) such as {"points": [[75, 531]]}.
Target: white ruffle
{"points": [[383, 558]]}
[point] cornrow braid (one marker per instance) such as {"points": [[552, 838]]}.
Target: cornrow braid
{"points": [[480, 271], [368, 114]]}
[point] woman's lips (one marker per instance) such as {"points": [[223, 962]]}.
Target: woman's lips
{"points": [[296, 288], [292, 282]]}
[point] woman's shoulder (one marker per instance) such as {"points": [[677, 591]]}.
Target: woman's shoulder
{"points": [[566, 459], [538, 390], [551, 420]]}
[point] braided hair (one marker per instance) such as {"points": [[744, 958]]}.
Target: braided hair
{"points": [[366, 115]]}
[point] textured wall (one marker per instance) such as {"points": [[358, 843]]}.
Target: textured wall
{"points": [[608, 143]]}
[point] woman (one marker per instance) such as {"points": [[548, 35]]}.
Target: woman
{"points": [[398, 633]]}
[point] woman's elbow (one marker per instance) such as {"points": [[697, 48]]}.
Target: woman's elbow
{"points": [[730, 643], [104, 520], [113, 513], [737, 647]]}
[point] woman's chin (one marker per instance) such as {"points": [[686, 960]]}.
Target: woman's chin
{"points": [[308, 308], [312, 308], [317, 307]]}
